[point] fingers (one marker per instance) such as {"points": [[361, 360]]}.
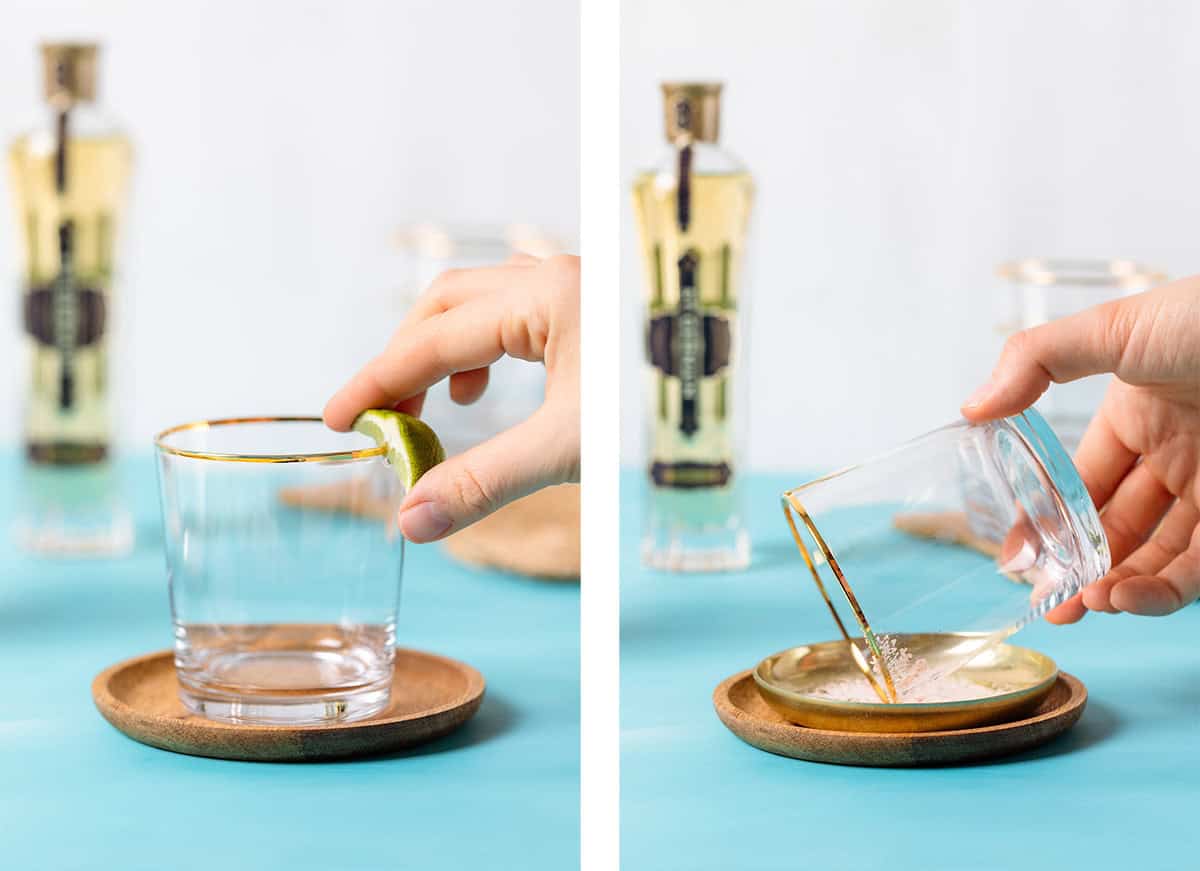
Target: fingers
{"points": [[467, 337], [471, 485], [451, 291], [1019, 552], [1136, 585], [1134, 511], [1149, 559], [466, 387], [1087, 343], [1178, 584], [1129, 518], [412, 405], [1102, 459], [457, 286], [1071, 611], [1021, 546]]}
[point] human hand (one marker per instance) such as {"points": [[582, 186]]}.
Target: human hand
{"points": [[1140, 456], [464, 322]]}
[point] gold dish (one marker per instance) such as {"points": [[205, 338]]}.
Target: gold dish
{"points": [[1018, 679]]}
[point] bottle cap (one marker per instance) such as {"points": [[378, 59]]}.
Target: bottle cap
{"points": [[69, 71], [692, 110]]}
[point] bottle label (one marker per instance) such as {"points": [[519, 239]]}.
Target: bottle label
{"points": [[66, 453], [89, 315], [662, 350], [65, 308], [683, 193], [688, 475], [691, 344]]}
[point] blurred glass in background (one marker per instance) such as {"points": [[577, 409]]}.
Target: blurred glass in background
{"points": [[1041, 290], [515, 387]]}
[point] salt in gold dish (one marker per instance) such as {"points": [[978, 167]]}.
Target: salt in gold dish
{"points": [[1012, 682]]}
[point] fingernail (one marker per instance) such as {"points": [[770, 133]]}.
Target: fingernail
{"points": [[424, 522], [981, 393]]}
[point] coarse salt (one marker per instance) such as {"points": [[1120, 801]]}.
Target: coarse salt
{"points": [[915, 681]]}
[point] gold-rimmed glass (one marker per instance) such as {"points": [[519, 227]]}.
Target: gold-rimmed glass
{"points": [[969, 532], [284, 563]]}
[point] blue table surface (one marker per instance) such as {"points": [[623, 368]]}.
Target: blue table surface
{"points": [[1121, 790], [503, 792]]}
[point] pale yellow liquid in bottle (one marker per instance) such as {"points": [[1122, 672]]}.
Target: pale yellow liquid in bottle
{"points": [[67, 329], [718, 208]]}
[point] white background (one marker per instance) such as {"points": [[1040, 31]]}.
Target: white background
{"points": [[280, 147], [902, 150]]}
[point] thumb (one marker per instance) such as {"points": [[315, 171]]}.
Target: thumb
{"points": [[1088, 343], [473, 484]]}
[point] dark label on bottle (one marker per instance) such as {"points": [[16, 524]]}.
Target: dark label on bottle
{"points": [[688, 344], [662, 350], [40, 320], [62, 134], [66, 453], [691, 344], [683, 192], [65, 308], [686, 476]]}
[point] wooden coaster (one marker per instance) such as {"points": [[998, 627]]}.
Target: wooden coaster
{"points": [[431, 697], [537, 536], [744, 713]]}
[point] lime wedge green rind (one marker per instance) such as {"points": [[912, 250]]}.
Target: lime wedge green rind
{"points": [[412, 446]]}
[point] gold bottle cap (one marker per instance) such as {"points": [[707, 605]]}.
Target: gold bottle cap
{"points": [[692, 110], [69, 71]]}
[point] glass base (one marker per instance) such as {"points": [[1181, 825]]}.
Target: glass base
{"points": [[259, 711], [275, 688], [72, 511], [73, 539], [698, 530], [697, 551]]}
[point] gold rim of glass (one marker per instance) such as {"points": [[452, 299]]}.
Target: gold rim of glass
{"points": [[221, 456], [1048, 271], [791, 502]]}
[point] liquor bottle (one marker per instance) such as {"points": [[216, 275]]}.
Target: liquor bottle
{"points": [[692, 210], [69, 177]]}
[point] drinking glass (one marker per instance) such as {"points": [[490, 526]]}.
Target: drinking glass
{"points": [[1044, 290], [971, 532], [284, 561]]}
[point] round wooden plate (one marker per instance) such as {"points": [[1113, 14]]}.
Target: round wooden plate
{"points": [[744, 712], [431, 697], [537, 536]]}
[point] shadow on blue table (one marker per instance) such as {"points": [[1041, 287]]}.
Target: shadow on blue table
{"points": [[495, 717], [1098, 724]]}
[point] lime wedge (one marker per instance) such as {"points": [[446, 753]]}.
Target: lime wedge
{"points": [[412, 447]]}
